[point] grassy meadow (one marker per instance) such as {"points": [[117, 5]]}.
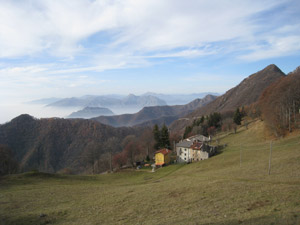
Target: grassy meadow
{"points": [[232, 187]]}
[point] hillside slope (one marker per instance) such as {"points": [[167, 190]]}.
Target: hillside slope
{"points": [[221, 190], [149, 115], [282, 100], [53, 144], [245, 93]]}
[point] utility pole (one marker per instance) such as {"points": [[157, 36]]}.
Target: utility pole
{"points": [[240, 155], [270, 157]]}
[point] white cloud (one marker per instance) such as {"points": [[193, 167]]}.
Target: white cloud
{"points": [[276, 47], [23, 69], [58, 27], [52, 46], [30, 82]]}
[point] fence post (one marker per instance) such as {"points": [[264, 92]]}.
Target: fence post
{"points": [[270, 157]]}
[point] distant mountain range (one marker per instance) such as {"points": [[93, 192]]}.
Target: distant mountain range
{"points": [[180, 99], [44, 101], [160, 114], [115, 99], [109, 101], [89, 112]]}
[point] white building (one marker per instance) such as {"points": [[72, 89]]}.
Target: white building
{"points": [[183, 150], [194, 149]]}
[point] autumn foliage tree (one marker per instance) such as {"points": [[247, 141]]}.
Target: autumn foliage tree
{"points": [[133, 152], [280, 104], [147, 143], [119, 160]]}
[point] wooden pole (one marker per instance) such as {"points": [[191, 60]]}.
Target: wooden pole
{"points": [[240, 155], [270, 157]]}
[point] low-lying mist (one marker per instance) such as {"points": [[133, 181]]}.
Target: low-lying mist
{"points": [[10, 111]]}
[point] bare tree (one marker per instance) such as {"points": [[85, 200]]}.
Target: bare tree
{"points": [[112, 145], [8, 164]]}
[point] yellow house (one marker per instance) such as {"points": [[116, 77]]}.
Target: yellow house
{"points": [[162, 157]]}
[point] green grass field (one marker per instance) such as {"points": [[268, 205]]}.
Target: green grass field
{"points": [[230, 188]]}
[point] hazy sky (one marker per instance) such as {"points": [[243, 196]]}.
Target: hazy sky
{"points": [[64, 48]]}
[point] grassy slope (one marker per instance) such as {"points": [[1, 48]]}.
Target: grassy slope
{"points": [[214, 191]]}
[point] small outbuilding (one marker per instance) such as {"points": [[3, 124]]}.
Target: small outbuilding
{"points": [[162, 157]]}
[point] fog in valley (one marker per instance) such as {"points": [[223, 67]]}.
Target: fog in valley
{"points": [[10, 111]]}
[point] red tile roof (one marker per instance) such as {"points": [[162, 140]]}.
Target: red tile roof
{"points": [[163, 151], [196, 145]]}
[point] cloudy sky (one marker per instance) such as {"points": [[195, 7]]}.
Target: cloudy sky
{"points": [[64, 48]]}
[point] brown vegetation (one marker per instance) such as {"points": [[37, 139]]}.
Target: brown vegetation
{"points": [[50, 145], [280, 104]]}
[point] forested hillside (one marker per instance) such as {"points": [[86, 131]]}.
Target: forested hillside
{"points": [[280, 104], [54, 144]]}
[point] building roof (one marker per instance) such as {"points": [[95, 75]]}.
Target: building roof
{"points": [[184, 144], [198, 137], [163, 151], [197, 145], [187, 143]]}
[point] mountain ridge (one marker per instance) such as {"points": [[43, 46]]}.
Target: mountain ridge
{"points": [[90, 112], [245, 93], [108, 101], [147, 114]]}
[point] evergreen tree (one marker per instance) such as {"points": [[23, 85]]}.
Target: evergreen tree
{"points": [[161, 137], [202, 120], [164, 137], [187, 131], [156, 134], [237, 118], [214, 120]]}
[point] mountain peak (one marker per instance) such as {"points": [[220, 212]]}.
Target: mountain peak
{"points": [[245, 93], [24, 117], [131, 95], [272, 68]]}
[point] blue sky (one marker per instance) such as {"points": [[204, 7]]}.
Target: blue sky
{"points": [[65, 48]]}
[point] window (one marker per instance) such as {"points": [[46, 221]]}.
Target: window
{"points": [[184, 158], [184, 154]]}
